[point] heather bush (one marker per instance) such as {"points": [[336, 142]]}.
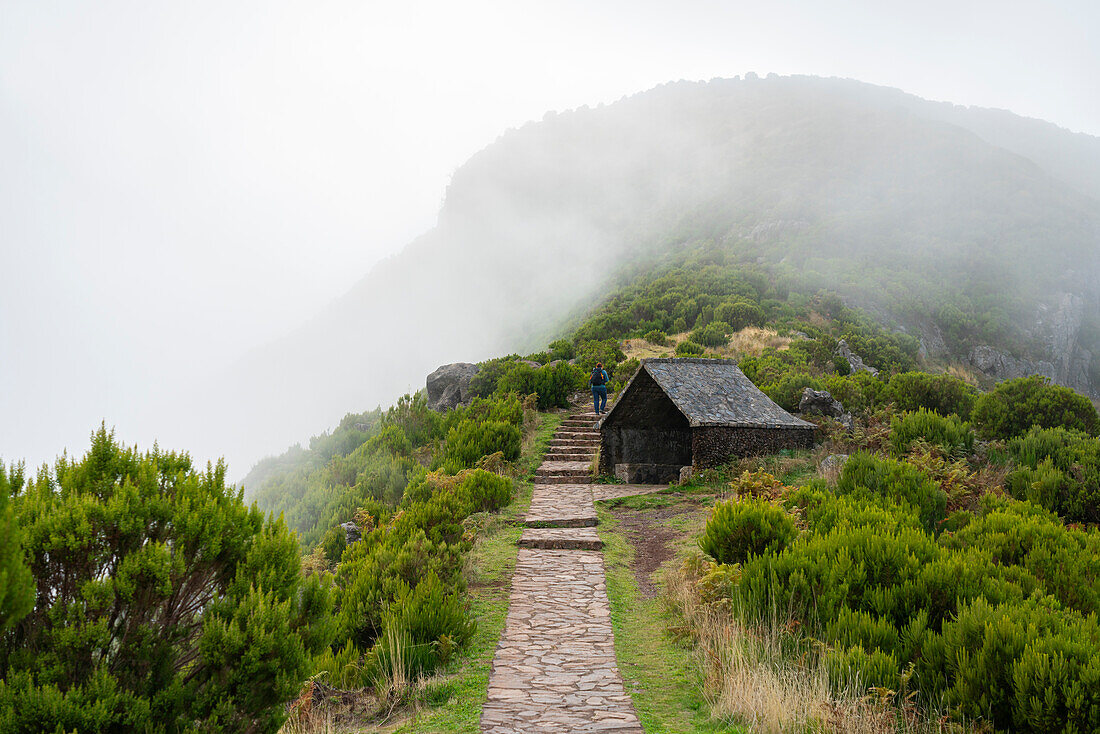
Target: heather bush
{"points": [[469, 440], [714, 334], [865, 476], [1059, 469], [553, 384], [16, 582], [163, 603], [950, 434], [943, 394], [1027, 666], [657, 338], [689, 349], [1065, 560], [787, 392], [1014, 406], [740, 528]]}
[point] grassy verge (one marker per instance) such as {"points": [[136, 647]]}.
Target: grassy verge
{"points": [[456, 700], [659, 672]]}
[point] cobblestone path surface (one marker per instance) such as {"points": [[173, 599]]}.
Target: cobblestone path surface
{"points": [[554, 669]]}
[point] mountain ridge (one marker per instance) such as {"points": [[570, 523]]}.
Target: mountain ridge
{"points": [[812, 176]]}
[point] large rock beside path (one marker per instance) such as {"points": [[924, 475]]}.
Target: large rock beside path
{"points": [[820, 401], [449, 386]]}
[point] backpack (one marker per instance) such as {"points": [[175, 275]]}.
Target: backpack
{"points": [[598, 377]]}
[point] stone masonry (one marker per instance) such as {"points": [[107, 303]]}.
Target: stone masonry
{"points": [[554, 671]]}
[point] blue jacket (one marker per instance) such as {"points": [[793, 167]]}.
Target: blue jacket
{"points": [[606, 379]]}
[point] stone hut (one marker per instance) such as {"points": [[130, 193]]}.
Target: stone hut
{"points": [[692, 412]]}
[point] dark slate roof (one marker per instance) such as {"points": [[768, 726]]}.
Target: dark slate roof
{"points": [[715, 392]]}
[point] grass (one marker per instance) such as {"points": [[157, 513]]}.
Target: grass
{"points": [[659, 672], [454, 705]]}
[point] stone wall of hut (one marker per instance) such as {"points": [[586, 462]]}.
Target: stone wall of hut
{"points": [[713, 446], [626, 444]]}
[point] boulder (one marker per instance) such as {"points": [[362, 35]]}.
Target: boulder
{"points": [[820, 402], [352, 533], [530, 363], [833, 463], [854, 361], [449, 386]]}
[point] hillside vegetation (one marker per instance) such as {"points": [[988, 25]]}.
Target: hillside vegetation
{"points": [[964, 227]]}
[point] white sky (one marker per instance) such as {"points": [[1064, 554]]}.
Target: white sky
{"points": [[180, 181]]}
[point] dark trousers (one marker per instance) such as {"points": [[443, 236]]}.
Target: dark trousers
{"points": [[599, 398]]}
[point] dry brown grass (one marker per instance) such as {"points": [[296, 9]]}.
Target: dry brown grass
{"points": [[965, 373], [752, 341], [749, 342], [763, 676]]}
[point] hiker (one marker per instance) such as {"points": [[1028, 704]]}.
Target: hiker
{"points": [[598, 382]]}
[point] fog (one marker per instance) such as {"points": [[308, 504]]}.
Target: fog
{"points": [[188, 188]]}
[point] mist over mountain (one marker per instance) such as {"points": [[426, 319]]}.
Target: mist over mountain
{"points": [[976, 230]]}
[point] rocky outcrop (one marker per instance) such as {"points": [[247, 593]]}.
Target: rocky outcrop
{"points": [[352, 534], [932, 343], [820, 402], [853, 359], [449, 386], [833, 463], [1058, 325]]}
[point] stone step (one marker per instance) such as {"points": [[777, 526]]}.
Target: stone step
{"points": [[565, 455], [577, 433], [564, 480], [575, 443], [564, 521], [561, 539], [562, 467], [578, 423]]}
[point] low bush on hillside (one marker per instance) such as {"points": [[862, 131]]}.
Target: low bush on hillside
{"points": [[689, 349], [867, 477], [714, 334], [968, 617], [1014, 406], [943, 394], [740, 528], [163, 604], [552, 383], [1058, 469], [656, 337], [950, 434]]}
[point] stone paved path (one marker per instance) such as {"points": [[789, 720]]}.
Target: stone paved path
{"points": [[554, 671]]}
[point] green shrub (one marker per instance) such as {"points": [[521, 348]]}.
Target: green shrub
{"points": [[740, 315], [864, 476], [484, 491], [689, 349], [950, 434], [343, 668], [470, 440], [714, 334], [484, 382], [432, 618], [1027, 667], [1059, 469], [1014, 406], [657, 337], [598, 350], [853, 668], [859, 392], [943, 394], [738, 529], [562, 349], [1066, 561], [553, 384], [16, 582], [787, 392], [163, 602]]}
